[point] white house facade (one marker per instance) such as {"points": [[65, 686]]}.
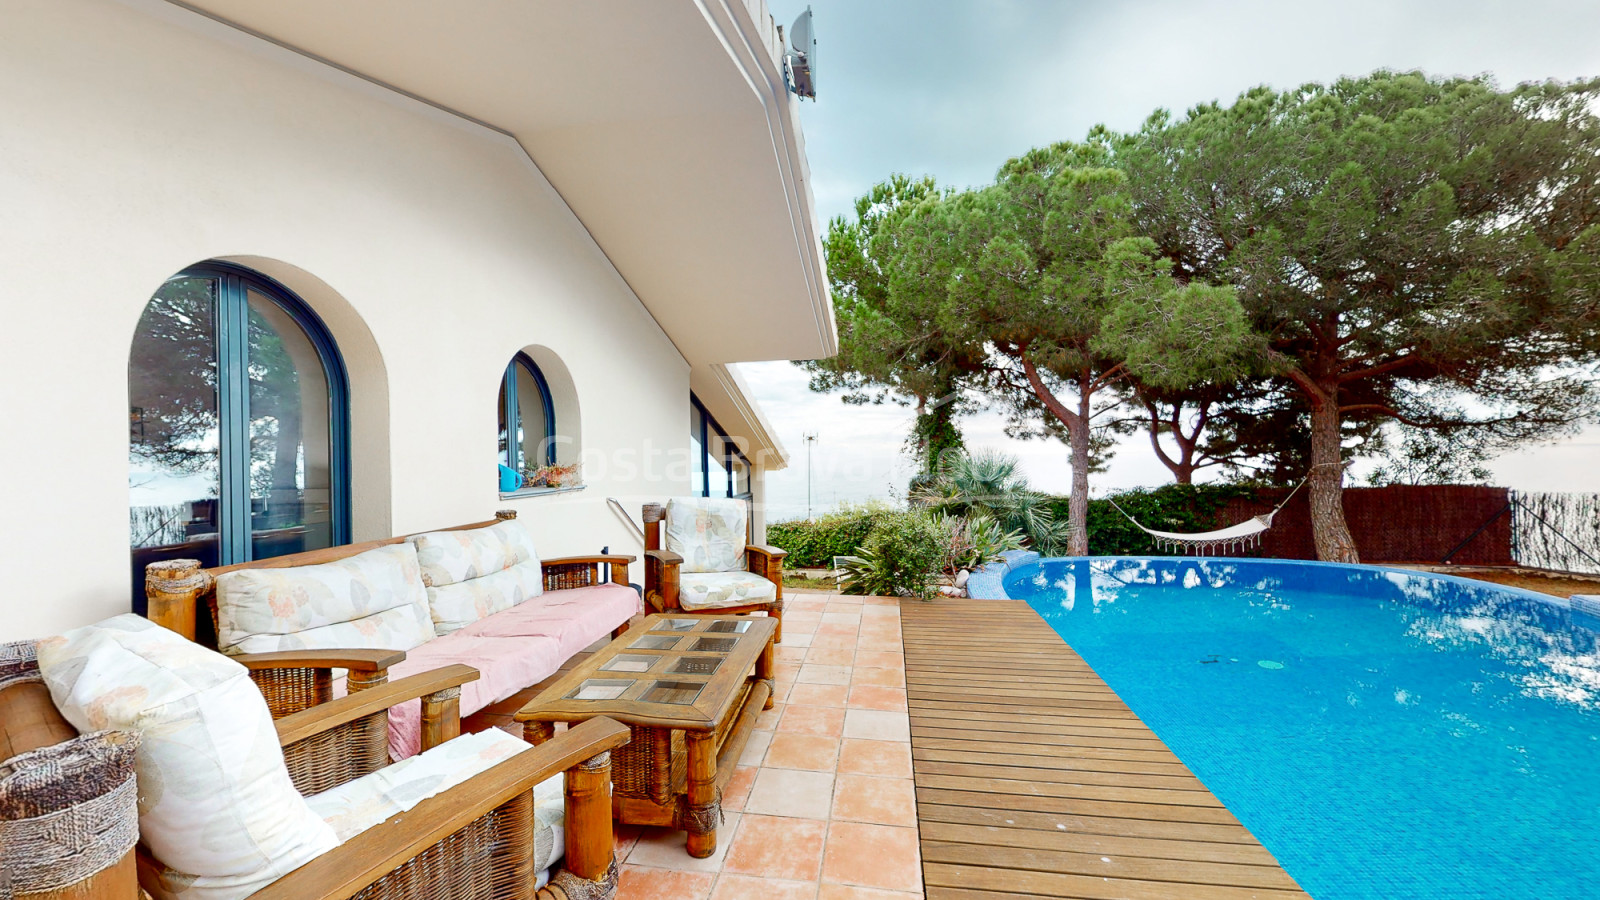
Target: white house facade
{"points": [[284, 274]]}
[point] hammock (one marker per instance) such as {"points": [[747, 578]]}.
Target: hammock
{"points": [[1235, 537]]}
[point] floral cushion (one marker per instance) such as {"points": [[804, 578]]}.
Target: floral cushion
{"points": [[708, 532], [355, 806], [216, 806], [719, 590], [456, 606], [373, 600], [477, 572], [451, 557]]}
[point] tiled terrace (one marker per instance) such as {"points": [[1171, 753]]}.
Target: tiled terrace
{"points": [[823, 806]]}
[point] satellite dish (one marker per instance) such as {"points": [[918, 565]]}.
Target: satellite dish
{"points": [[802, 56]]}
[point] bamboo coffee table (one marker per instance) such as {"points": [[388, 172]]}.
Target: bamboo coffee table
{"points": [[690, 688]]}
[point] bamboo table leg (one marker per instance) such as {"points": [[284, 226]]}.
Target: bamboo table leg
{"points": [[701, 810], [766, 669]]}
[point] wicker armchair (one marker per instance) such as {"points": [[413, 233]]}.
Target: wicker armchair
{"points": [[472, 841], [663, 575]]}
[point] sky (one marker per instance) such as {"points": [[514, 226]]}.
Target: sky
{"points": [[953, 89]]}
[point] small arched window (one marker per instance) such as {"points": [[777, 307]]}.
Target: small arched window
{"points": [[527, 417]]}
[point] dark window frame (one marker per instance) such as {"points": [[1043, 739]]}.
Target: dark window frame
{"points": [[235, 543], [511, 411], [708, 427]]}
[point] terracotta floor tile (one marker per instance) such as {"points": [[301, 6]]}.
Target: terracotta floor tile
{"points": [[881, 601], [879, 856], [790, 639], [869, 798], [662, 848], [891, 759], [831, 656], [881, 659], [877, 725], [755, 887], [624, 837], [852, 892], [846, 599], [873, 643], [768, 718], [875, 632], [803, 751], [834, 641], [778, 847], [755, 749], [895, 678], [803, 603], [819, 694], [880, 609], [817, 673], [640, 883], [840, 617], [791, 793], [790, 654], [868, 696], [836, 628], [738, 788], [827, 721]]}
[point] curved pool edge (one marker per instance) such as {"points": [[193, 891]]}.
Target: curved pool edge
{"points": [[988, 583]]}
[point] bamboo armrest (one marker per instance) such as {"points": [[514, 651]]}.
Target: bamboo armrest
{"points": [[356, 660], [324, 716], [613, 558], [665, 557], [766, 550], [354, 865]]}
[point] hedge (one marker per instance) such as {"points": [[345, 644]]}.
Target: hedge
{"points": [[813, 545], [1173, 507]]}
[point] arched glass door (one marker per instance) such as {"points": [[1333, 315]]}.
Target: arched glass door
{"points": [[238, 424]]}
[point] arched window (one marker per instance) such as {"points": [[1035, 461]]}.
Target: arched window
{"points": [[238, 444], [527, 417]]}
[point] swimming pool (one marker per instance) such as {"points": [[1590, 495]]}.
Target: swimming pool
{"points": [[1384, 733]]}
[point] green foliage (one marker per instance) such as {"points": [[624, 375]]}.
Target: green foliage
{"points": [[972, 541], [988, 484], [838, 533], [1182, 508], [900, 557]]}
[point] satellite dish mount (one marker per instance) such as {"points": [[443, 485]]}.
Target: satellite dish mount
{"points": [[800, 60]]}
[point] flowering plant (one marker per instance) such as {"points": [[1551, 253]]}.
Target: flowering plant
{"points": [[552, 476]]}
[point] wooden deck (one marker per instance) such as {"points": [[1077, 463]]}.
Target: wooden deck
{"points": [[1034, 780]]}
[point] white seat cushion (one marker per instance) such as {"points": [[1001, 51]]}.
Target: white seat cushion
{"points": [[373, 600], [216, 805], [708, 532], [355, 806], [720, 590], [473, 573]]}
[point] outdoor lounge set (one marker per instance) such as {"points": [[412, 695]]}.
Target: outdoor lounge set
{"points": [[322, 752]]}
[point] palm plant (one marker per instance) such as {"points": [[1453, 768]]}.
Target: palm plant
{"points": [[988, 484]]}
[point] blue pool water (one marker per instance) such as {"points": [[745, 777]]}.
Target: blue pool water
{"points": [[1385, 734]]}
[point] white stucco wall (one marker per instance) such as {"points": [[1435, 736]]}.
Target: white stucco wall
{"points": [[137, 138]]}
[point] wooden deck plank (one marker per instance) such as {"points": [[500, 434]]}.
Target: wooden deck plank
{"points": [[1033, 779]]}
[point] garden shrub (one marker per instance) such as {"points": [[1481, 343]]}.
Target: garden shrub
{"points": [[900, 557]]}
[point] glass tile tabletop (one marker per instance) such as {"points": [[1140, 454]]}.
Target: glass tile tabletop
{"points": [[726, 627], [677, 693], [714, 645], [675, 625], [630, 662], [600, 689], [655, 642], [695, 665]]}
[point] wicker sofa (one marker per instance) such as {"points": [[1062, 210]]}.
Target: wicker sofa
{"points": [[475, 835], [483, 618]]}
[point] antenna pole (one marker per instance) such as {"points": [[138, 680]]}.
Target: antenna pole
{"points": [[811, 438]]}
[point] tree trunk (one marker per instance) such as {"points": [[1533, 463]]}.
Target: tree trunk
{"points": [[1326, 485], [1078, 503]]}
